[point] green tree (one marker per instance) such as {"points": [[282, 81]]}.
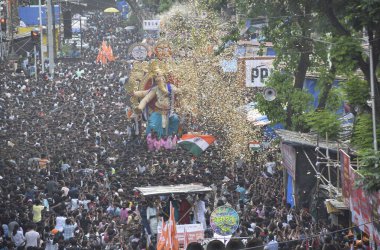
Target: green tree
{"points": [[165, 5], [349, 19], [363, 136], [324, 122], [277, 110], [369, 159], [369, 170], [356, 93], [291, 28]]}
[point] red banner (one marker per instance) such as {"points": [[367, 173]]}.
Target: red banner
{"points": [[345, 176], [364, 207]]}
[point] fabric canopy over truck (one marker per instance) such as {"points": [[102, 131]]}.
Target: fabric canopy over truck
{"points": [[173, 189]]}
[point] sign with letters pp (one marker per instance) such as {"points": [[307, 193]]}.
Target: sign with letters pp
{"points": [[257, 71]]}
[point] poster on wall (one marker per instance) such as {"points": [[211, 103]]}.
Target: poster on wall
{"points": [[257, 71]]}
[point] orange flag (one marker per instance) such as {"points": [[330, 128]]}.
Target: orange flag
{"points": [[101, 55], [186, 240], [98, 58], [110, 56], [104, 46], [163, 237], [168, 239], [173, 238]]}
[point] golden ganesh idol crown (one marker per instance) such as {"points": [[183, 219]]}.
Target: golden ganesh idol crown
{"points": [[157, 68]]}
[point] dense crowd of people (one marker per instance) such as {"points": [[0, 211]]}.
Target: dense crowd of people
{"points": [[70, 159]]}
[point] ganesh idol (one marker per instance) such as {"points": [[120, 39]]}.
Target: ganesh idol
{"points": [[157, 102]]}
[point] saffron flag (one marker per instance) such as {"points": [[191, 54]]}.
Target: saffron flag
{"points": [[172, 243], [105, 54], [111, 58], [186, 240], [168, 239], [163, 237], [196, 144]]}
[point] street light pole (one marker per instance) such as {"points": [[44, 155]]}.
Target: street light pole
{"points": [[372, 80], [41, 37], [35, 62], [1, 45], [49, 10]]}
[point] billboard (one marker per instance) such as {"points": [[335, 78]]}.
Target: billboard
{"points": [[151, 25], [257, 71], [30, 17]]}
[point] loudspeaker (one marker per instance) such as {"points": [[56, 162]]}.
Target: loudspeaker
{"points": [[270, 94], [67, 29]]}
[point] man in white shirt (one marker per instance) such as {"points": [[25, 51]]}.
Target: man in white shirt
{"points": [[64, 189], [60, 222], [141, 168], [74, 204], [200, 212], [32, 237], [272, 244]]}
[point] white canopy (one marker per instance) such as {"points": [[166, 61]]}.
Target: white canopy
{"points": [[173, 189]]}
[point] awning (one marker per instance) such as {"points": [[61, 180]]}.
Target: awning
{"points": [[334, 206], [253, 115], [173, 189]]}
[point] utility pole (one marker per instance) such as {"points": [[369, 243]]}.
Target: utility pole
{"points": [[373, 102], [372, 97], [50, 33], [35, 62], [1, 45], [41, 37]]}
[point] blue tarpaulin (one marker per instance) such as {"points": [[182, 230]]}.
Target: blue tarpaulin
{"points": [[29, 15], [311, 86], [123, 7], [271, 52], [289, 191]]}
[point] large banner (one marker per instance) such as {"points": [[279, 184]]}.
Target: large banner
{"points": [[257, 71], [289, 159], [364, 207]]}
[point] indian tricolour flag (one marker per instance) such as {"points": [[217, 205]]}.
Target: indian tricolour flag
{"points": [[196, 144], [255, 145]]}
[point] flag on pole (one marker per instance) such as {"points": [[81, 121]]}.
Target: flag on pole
{"points": [[196, 144], [110, 56], [186, 239], [173, 238], [255, 145], [105, 54], [163, 237], [168, 239]]}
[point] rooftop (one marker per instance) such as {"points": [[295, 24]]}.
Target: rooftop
{"points": [[306, 139]]}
